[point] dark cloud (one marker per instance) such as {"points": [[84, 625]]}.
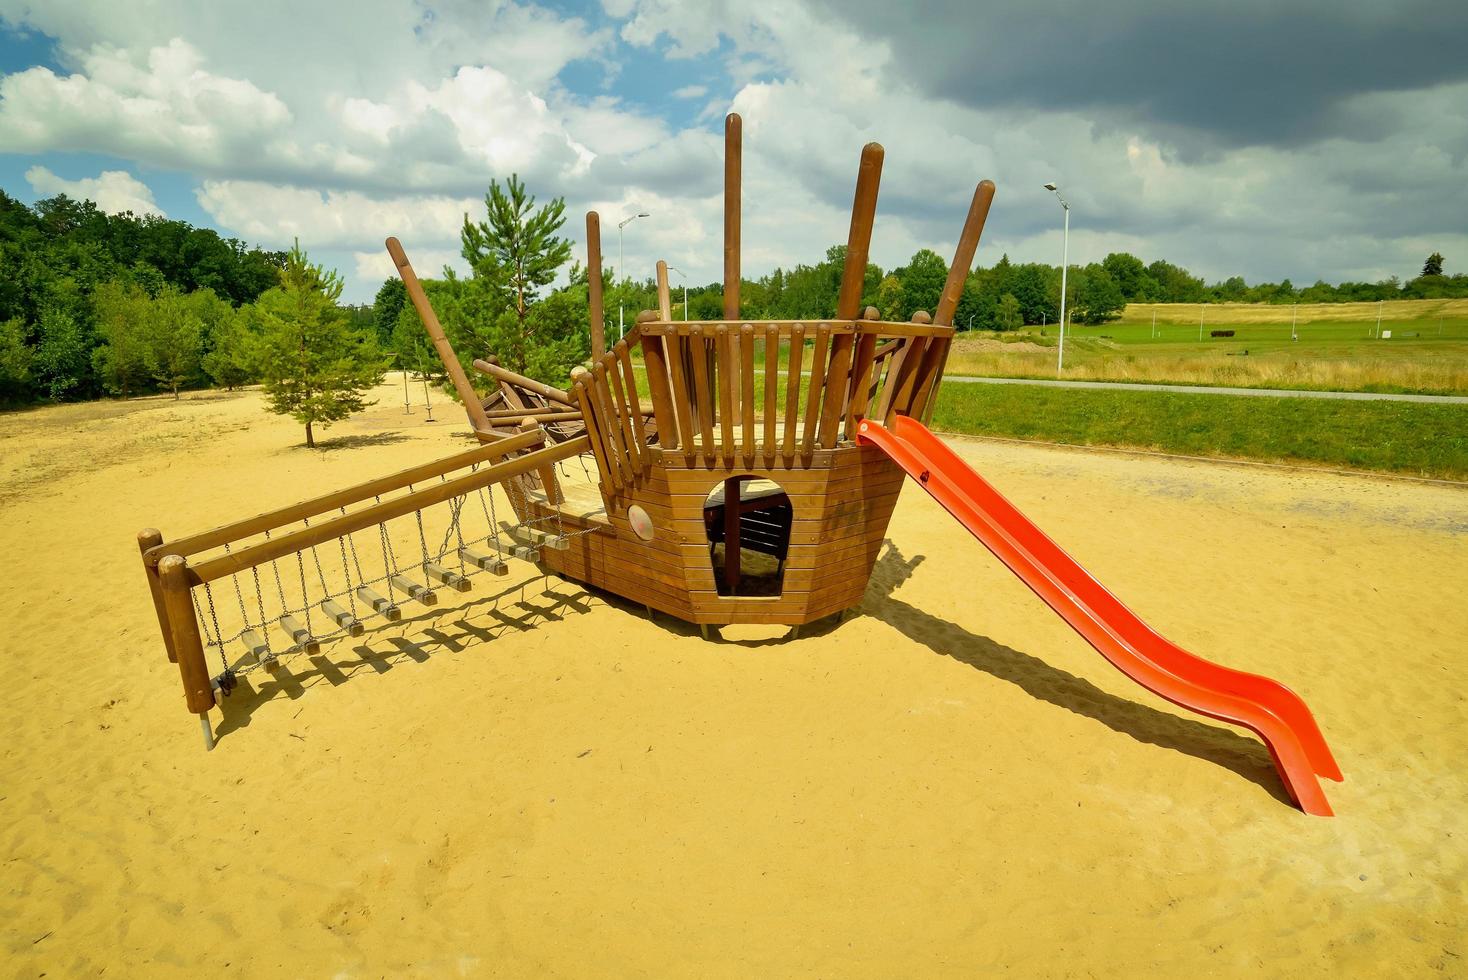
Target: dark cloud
{"points": [[1205, 76]]}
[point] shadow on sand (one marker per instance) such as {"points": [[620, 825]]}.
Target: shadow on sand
{"points": [[519, 608], [484, 618], [1221, 746]]}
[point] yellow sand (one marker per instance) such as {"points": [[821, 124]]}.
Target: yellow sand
{"points": [[548, 784]]}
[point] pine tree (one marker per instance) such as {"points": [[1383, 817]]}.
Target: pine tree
{"points": [[516, 253], [313, 366], [1434, 265]]}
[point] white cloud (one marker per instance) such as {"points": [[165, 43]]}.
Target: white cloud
{"points": [[275, 215], [114, 191], [691, 92], [163, 108]]}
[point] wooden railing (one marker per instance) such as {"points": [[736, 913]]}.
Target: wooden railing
{"points": [[770, 392]]}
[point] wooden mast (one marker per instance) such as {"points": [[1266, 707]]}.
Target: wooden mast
{"points": [[593, 282], [472, 406], [963, 256], [733, 148], [963, 261], [848, 301]]}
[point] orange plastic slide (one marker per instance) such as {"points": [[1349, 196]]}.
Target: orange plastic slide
{"points": [[1267, 708]]}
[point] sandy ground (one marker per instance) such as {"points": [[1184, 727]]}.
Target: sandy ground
{"points": [[545, 783]]}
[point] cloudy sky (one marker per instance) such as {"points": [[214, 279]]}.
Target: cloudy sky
{"points": [[1267, 139]]}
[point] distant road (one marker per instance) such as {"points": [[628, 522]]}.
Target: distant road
{"points": [[1369, 396]]}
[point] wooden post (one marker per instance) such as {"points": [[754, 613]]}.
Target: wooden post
{"points": [[733, 149], [848, 301], [963, 256], [731, 535], [593, 285], [472, 406], [702, 399], [173, 577], [546, 473], [728, 386], [772, 388], [149, 538], [634, 402], [746, 399], [665, 300], [657, 384], [817, 388], [792, 387]]}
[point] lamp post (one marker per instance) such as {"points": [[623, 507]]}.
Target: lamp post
{"points": [[685, 291], [621, 329], [1064, 267]]}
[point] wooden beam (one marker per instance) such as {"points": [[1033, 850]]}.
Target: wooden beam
{"points": [[733, 168], [472, 406], [326, 503], [593, 281], [433, 493], [963, 256], [540, 388]]}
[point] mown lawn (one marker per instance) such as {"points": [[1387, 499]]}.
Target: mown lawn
{"points": [[1392, 437]]}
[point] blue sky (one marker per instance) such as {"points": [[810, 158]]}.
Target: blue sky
{"points": [[1304, 140]]}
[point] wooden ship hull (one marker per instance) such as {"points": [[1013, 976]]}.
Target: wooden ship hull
{"points": [[748, 446]]}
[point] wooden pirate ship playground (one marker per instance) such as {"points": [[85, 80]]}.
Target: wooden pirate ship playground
{"points": [[718, 472]]}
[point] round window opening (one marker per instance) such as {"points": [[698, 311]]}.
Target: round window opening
{"points": [[641, 522]]}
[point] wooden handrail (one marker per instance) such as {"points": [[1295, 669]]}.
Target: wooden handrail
{"points": [[326, 503], [377, 513]]}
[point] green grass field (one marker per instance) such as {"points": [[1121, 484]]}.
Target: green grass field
{"points": [[1391, 437], [1330, 349]]}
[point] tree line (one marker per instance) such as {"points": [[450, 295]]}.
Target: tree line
{"points": [[94, 303], [1009, 295]]}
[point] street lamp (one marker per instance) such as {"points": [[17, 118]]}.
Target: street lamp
{"points": [[685, 290], [621, 330], [1064, 266]]}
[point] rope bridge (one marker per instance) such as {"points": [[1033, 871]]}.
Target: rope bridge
{"points": [[279, 584]]}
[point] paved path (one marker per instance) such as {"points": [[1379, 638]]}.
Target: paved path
{"points": [[1205, 390]]}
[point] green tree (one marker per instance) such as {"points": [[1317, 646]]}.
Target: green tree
{"points": [[1006, 313], [1098, 298], [1128, 272], [174, 335], [889, 298], [122, 320], [922, 282], [16, 356], [62, 361], [232, 360], [314, 368], [518, 252], [387, 306], [1434, 265]]}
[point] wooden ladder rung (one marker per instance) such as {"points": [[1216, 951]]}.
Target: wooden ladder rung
{"points": [[545, 539], [300, 636], [450, 579], [485, 563], [257, 648], [343, 617], [413, 590], [382, 606]]}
